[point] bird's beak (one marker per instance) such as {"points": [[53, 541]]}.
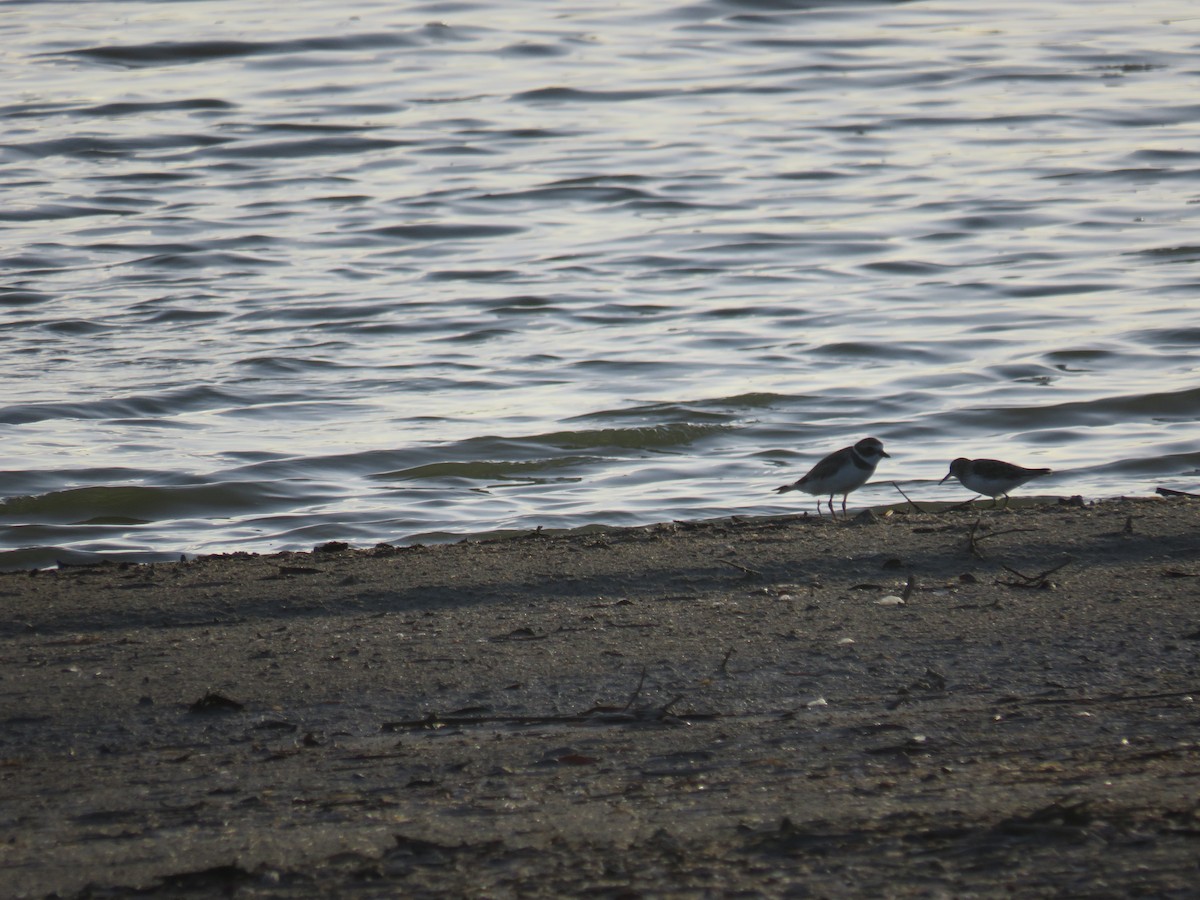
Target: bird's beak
{"points": [[943, 481], [885, 453]]}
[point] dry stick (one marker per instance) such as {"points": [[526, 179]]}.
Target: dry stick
{"points": [[972, 542], [724, 667], [750, 572], [973, 539], [666, 707], [637, 690], [908, 498], [1102, 698], [1031, 580]]}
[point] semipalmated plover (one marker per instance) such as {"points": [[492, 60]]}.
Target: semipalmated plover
{"points": [[840, 472], [991, 476]]}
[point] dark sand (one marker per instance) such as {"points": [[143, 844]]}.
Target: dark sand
{"points": [[726, 709]]}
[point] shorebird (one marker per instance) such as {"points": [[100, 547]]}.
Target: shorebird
{"points": [[840, 472], [991, 476]]}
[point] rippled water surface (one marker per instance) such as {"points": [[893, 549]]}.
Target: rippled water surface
{"points": [[376, 271]]}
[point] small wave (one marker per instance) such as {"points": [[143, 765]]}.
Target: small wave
{"points": [[431, 232], [885, 350], [1162, 337], [184, 52], [485, 470], [481, 275], [1154, 465], [52, 211], [136, 407], [532, 50], [584, 193], [575, 95], [10, 297], [142, 504], [197, 258], [101, 148], [1086, 413], [1181, 253], [135, 109], [650, 437], [299, 149]]}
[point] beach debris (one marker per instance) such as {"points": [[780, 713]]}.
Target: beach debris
{"points": [[1040, 581], [812, 839], [576, 759], [974, 538], [916, 743], [331, 547], [745, 570], [890, 600], [519, 634], [225, 879], [213, 702], [931, 682], [913, 505], [723, 668], [600, 714], [299, 570], [1167, 492], [1060, 819]]}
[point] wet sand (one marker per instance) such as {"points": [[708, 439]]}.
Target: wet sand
{"points": [[962, 703]]}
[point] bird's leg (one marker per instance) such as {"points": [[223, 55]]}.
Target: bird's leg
{"points": [[844, 496], [832, 512]]}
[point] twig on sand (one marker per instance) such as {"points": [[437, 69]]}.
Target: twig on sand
{"points": [[636, 691], [1100, 698], [972, 541], [908, 498], [1033, 581], [748, 572], [665, 709], [599, 714], [724, 667], [973, 538]]}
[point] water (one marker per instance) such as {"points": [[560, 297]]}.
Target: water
{"points": [[382, 272]]}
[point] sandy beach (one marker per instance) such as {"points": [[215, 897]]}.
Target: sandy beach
{"points": [[956, 703]]}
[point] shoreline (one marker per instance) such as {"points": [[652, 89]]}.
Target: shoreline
{"points": [[963, 702], [43, 557]]}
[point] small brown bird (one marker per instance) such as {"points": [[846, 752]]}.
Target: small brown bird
{"points": [[840, 472], [992, 477]]}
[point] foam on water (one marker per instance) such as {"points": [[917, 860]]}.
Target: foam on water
{"points": [[377, 272]]}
